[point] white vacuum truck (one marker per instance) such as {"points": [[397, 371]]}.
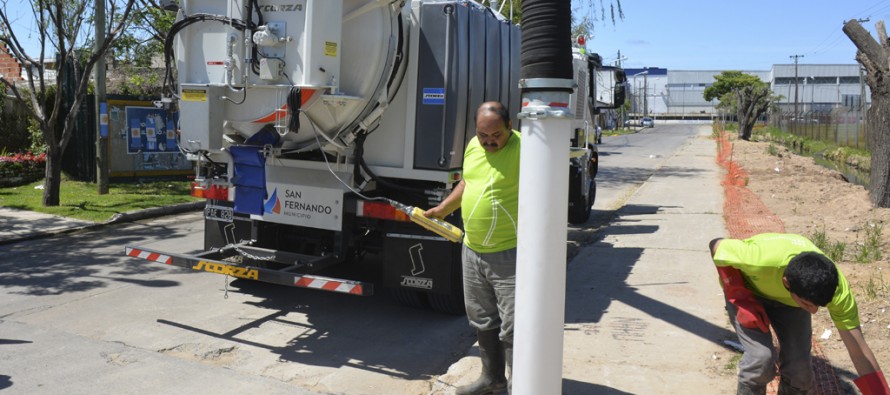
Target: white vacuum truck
{"points": [[306, 119]]}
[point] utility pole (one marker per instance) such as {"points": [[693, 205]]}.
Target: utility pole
{"points": [[101, 140], [795, 57]]}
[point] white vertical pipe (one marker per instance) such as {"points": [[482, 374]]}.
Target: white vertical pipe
{"points": [[541, 248]]}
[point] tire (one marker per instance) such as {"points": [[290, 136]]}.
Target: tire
{"points": [[579, 206]]}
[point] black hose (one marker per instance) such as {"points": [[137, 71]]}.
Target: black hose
{"points": [[294, 102], [546, 40], [182, 24]]}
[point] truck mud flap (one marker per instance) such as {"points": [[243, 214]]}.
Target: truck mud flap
{"points": [[209, 262]]}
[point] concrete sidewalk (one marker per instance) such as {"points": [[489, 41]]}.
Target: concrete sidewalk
{"points": [[21, 225], [644, 309]]}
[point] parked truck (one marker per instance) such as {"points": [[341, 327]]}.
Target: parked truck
{"points": [[308, 120]]}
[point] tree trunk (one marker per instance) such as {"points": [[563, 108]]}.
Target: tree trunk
{"points": [[874, 55], [52, 184], [744, 129], [879, 144]]}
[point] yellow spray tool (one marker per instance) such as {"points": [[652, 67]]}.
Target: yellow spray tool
{"points": [[448, 231]]}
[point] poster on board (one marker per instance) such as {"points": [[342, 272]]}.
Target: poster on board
{"points": [[150, 130]]}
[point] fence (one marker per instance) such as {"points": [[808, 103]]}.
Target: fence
{"points": [[843, 126], [14, 134]]}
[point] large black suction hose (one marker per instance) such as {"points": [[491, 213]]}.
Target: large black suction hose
{"points": [[546, 42]]}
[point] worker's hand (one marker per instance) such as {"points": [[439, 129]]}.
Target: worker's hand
{"points": [[751, 314], [435, 212], [873, 383]]}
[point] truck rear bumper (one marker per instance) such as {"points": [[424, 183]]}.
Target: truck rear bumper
{"points": [[214, 262]]}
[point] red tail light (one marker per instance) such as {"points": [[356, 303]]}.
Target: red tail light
{"points": [[212, 191], [380, 210]]}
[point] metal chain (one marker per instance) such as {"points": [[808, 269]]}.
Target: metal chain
{"points": [[226, 287], [254, 257]]}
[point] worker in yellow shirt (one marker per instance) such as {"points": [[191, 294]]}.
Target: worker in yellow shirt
{"points": [[488, 196], [778, 281]]}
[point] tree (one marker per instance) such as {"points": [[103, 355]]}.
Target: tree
{"points": [[584, 24], [63, 26], [143, 40], [874, 56], [743, 94]]}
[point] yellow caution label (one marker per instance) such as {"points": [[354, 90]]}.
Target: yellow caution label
{"points": [[234, 271], [330, 48], [194, 95]]}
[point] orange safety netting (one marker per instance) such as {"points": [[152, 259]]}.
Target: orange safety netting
{"points": [[746, 215]]}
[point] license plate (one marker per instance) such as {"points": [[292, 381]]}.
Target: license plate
{"points": [[219, 213]]}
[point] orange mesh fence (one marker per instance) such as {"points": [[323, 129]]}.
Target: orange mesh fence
{"points": [[746, 215], [744, 212]]}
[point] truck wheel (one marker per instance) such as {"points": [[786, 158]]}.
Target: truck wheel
{"points": [[580, 207]]}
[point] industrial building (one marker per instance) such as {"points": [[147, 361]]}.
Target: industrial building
{"points": [[820, 88]]}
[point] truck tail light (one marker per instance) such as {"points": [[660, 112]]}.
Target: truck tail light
{"points": [[380, 210], [209, 191]]}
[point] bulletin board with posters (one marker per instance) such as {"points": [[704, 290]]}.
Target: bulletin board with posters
{"points": [[142, 140]]}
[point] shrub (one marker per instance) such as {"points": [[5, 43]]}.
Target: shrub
{"points": [[19, 169]]}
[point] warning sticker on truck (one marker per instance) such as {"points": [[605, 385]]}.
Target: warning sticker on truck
{"points": [[330, 48], [301, 205], [194, 95]]}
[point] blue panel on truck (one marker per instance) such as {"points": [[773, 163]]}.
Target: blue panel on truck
{"points": [[249, 180]]}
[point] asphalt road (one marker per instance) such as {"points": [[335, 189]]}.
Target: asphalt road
{"points": [[77, 316]]}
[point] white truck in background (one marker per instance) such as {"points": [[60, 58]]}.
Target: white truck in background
{"points": [[305, 118]]}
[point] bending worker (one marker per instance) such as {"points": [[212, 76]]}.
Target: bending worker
{"points": [[489, 195], [780, 280]]}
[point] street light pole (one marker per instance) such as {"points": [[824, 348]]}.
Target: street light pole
{"points": [[636, 109]]}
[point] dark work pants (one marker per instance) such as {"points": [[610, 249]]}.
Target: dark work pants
{"points": [[793, 328]]}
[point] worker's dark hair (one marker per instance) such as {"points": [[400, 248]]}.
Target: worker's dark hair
{"points": [[497, 108], [812, 276]]}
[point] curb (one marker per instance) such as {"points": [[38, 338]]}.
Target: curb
{"points": [[116, 219]]}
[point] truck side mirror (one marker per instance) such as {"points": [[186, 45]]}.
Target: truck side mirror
{"points": [[620, 94]]}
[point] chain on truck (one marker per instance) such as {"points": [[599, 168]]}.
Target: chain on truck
{"points": [[308, 120]]}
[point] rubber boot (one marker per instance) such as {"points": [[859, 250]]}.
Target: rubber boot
{"points": [[492, 379], [785, 388], [508, 356], [744, 389]]}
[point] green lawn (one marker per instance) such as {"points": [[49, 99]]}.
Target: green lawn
{"points": [[82, 201]]}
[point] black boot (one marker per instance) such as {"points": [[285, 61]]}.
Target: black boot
{"points": [[492, 379], [785, 388], [743, 389], [508, 355]]}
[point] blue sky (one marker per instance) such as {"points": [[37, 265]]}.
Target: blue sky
{"points": [[721, 35], [692, 34]]}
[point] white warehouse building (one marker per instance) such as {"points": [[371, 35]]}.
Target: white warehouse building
{"points": [[679, 93]]}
